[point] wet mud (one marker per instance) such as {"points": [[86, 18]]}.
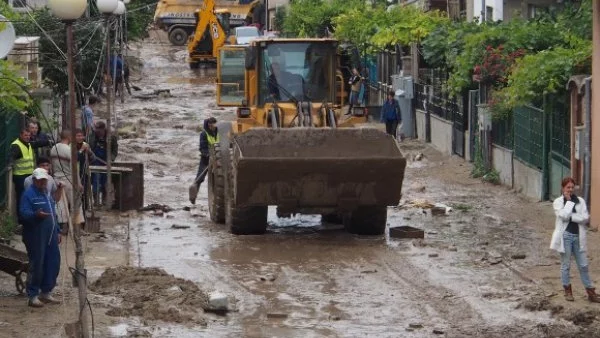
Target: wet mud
{"points": [[482, 269]]}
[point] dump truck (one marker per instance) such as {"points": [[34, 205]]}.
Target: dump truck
{"points": [[290, 144], [177, 18]]}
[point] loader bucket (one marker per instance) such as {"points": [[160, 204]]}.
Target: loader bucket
{"points": [[315, 168]]}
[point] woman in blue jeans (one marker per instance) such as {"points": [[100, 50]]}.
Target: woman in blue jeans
{"points": [[569, 238]]}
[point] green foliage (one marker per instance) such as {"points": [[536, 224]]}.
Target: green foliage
{"points": [[358, 25], [140, 18], [12, 86], [492, 176], [280, 17], [313, 18], [88, 36], [407, 24], [7, 225]]}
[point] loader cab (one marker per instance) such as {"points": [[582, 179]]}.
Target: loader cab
{"points": [[292, 70], [224, 18]]}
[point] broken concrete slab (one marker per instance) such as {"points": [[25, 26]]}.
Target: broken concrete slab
{"points": [[406, 232]]}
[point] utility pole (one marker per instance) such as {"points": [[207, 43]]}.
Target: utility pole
{"points": [[79, 259], [108, 189], [594, 201]]}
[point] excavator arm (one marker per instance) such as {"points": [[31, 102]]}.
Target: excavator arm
{"points": [[209, 36]]}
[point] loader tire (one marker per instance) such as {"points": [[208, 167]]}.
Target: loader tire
{"points": [[178, 36], [242, 220], [367, 221], [216, 186]]}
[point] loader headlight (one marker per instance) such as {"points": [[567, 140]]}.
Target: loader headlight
{"points": [[243, 112]]}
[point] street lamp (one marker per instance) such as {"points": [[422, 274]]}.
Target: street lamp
{"points": [[69, 11]]}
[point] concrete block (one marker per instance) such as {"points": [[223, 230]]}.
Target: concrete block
{"points": [[502, 160], [527, 180], [441, 134]]}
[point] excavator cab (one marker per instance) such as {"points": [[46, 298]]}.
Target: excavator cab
{"points": [[292, 146]]}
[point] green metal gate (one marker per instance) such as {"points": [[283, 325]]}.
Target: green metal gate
{"points": [[560, 144], [10, 124]]}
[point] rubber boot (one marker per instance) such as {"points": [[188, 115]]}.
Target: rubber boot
{"points": [[592, 296], [569, 293]]}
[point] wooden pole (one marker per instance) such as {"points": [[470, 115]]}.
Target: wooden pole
{"points": [[595, 124], [109, 91], [79, 254]]}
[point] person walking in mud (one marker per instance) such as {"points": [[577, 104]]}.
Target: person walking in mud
{"points": [[390, 114], [208, 138], [569, 238], [41, 236]]}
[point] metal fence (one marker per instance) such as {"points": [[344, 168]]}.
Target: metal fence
{"points": [[529, 135], [432, 96], [502, 133], [10, 123]]}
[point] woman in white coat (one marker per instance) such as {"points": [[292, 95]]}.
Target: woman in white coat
{"points": [[569, 238]]}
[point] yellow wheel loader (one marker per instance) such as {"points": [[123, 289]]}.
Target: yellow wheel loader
{"points": [[292, 146]]}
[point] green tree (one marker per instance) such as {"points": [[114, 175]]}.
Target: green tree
{"points": [[313, 18]]}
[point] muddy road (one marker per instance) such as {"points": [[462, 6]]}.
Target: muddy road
{"points": [[482, 270]]}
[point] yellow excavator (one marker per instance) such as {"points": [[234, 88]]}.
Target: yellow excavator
{"points": [[292, 146], [212, 28]]}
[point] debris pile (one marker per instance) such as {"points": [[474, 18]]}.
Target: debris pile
{"points": [[152, 294]]}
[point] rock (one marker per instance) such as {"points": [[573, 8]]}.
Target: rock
{"points": [[433, 255], [175, 289], [156, 229], [334, 317], [438, 331], [432, 232], [269, 278], [452, 248], [369, 271], [494, 261], [415, 325], [417, 187], [218, 301], [275, 315], [419, 157], [195, 254], [158, 213], [409, 329], [177, 226], [170, 216], [178, 126], [518, 256], [186, 208], [419, 243]]}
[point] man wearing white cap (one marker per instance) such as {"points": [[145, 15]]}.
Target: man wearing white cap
{"points": [[41, 235]]}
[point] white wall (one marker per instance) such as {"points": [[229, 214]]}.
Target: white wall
{"points": [[441, 134], [497, 5]]}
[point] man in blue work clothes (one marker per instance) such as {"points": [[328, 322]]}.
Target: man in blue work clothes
{"points": [[390, 114], [41, 235]]}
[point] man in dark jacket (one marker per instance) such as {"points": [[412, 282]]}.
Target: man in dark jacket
{"points": [[208, 138], [39, 140], [390, 114], [99, 145]]}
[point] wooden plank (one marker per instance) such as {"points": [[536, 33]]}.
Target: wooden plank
{"points": [[102, 169]]}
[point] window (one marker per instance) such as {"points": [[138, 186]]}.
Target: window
{"points": [[534, 11], [231, 83], [489, 13], [19, 3], [297, 71]]}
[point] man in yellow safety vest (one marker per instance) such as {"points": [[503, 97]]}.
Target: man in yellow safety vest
{"points": [[23, 161], [208, 138]]}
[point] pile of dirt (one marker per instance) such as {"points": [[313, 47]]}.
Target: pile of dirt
{"points": [[583, 317], [540, 303], [152, 294]]}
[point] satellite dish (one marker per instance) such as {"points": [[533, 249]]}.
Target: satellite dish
{"points": [[7, 37]]}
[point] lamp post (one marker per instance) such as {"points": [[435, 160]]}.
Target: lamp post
{"points": [[107, 7], [69, 11]]}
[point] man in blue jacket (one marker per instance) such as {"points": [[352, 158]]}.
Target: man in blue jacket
{"points": [[41, 235], [390, 114]]}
